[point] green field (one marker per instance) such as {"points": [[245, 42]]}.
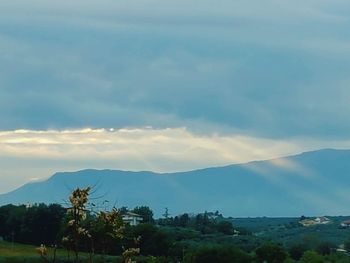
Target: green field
{"points": [[287, 231], [13, 253]]}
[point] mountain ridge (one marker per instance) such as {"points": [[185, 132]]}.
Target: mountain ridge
{"points": [[314, 182]]}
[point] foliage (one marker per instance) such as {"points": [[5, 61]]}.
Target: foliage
{"points": [[325, 248], [311, 257], [206, 223], [106, 227], [31, 225], [296, 251], [152, 240], [225, 227], [77, 213], [271, 253], [200, 237], [220, 254]]}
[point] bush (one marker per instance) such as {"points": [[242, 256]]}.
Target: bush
{"points": [[220, 254], [270, 253], [297, 251], [225, 227], [311, 257], [325, 248]]}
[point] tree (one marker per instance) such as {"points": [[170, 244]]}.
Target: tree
{"points": [[311, 257], [225, 227], [184, 220], [202, 223], [325, 248], [270, 253], [107, 227], [11, 218], [41, 224], [220, 254], [37, 224], [347, 244], [296, 251], [152, 240]]}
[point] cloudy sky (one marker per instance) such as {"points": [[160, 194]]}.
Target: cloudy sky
{"points": [[168, 85]]}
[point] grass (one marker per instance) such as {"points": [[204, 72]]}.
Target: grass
{"points": [[7, 250], [27, 253]]}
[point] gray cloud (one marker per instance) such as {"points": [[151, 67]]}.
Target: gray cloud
{"points": [[272, 69]]}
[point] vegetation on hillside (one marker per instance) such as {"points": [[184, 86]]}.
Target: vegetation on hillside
{"points": [[77, 233]]}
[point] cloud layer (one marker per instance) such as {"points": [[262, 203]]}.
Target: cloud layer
{"points": [[267, 69]]}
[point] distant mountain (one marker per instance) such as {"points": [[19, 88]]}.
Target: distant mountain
{"points": [[311, 183]]}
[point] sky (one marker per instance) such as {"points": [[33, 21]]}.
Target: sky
{"points": [[168, 85]]}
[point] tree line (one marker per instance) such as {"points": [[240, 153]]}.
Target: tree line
{"points": [[204, 237]]}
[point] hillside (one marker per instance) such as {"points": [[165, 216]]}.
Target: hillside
{"points": [[312, 183]]}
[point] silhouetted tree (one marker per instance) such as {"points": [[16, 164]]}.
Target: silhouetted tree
{"points": [[270, 253]]}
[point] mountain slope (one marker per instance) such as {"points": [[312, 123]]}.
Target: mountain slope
{"points": [[312, 183]]}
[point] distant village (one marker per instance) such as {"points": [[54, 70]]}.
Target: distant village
{"points": [[323, 220]]}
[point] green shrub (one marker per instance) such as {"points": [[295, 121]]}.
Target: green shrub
{"points": [[222, 254], [270, 253], [312, 257]]}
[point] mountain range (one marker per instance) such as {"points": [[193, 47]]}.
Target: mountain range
{"points": [[311, 183]]}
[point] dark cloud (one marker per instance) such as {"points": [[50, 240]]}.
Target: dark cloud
{"points": [[266, 72]]}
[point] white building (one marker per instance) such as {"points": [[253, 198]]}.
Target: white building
{"points": [[132, 219], [345, 223], [322, 220]]}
